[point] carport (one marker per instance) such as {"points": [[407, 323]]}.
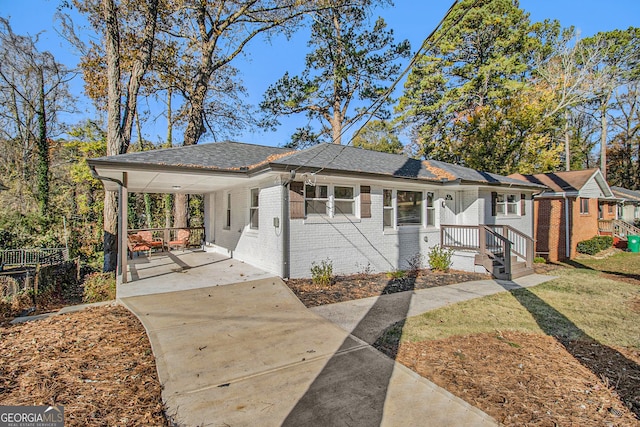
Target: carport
{"points": [[152, 178]]}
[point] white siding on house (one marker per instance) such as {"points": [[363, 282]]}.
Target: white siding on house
{"points": [[262, 247], [592, 190], [522, 223], [358, 244], [352, 244]]}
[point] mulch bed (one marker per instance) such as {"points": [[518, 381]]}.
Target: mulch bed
{"points": [[97, 363], [529, 379], [346, 288]]}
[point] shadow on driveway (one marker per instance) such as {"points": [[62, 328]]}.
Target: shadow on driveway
{"points": [[323, 403]]}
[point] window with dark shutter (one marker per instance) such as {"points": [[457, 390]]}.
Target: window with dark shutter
{"points": [[523, 202], [365, 201], [296, 200]]}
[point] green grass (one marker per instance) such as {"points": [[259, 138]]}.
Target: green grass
{"points": [[625, 262], [580, 303]]}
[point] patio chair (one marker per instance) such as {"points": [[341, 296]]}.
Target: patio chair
{"points": [[182, 240], [136, 243], [154, 242]]}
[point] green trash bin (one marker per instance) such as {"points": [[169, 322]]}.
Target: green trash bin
{"points": [[633, 243]]}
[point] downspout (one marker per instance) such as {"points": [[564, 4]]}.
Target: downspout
{"points": [[566, 225], [286, 238]]}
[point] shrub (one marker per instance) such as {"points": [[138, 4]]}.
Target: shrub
{"points": [[415, 263], [440, 258], [99, 287], [322, 274], [539, 260], [594, 245]]}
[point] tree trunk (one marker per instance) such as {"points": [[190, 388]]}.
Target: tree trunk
{"points": [[567, 148], [112, 47], [42, 168], [168, 144], [181, 210], [119, 132], [603, 142], [195, 129], [110, 231]]}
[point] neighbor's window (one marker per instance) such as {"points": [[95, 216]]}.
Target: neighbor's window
{"points": [[228, 222], [315, 199], [584, 206], [253, 209], [343, 200], [387, 214], [431, 209], [610, 208], [409, 207]]}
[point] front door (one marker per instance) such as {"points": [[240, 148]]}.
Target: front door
{"points": [[449, 209]]}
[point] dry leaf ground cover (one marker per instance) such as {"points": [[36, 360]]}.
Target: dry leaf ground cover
{"points": [[97, 363]]}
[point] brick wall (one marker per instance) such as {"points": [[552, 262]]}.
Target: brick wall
{"points": [[584, 226], [549, 228]]}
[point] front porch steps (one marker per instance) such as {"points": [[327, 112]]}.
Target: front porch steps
{"points": [[518, 268]]}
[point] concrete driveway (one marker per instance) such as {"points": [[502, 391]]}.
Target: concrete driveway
{"points": [[251, 354]]}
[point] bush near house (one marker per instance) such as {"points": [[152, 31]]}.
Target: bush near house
{"points": [[322, 274], [440, 258], [595, 245]]}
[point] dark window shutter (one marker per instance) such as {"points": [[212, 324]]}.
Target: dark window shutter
{"points": [[365, 201], [494, 200], [296, 200], [523, 203]]}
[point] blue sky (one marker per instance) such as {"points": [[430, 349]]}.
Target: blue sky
{"points": [[411, 20]]}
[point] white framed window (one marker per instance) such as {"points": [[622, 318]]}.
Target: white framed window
{"points": [[584, 206], [431, 209], [507, 204], [343, 200], [253, 208], [227, 223], [408, 208], [316, 198], [388, 211]]}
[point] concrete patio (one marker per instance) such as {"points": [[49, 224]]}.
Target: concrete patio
{"points": [[171, 271]]}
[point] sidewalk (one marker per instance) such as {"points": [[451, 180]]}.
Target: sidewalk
{"points": [[367, 318]]}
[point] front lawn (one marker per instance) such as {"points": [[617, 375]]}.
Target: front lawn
{"points": [[566, 352]]}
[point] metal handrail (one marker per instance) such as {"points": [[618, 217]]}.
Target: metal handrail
{"points": [[33, 256]]}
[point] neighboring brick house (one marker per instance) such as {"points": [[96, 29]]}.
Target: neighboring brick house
{"points": [[569, 210], [282, 210]]}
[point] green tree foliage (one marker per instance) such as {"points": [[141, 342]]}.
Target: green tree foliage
{"points": [[378, 135], [470, 88], [349, 62], [33, 91], [514, 135]]}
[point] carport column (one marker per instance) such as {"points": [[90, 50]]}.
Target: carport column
{"points": [[123, 221]]}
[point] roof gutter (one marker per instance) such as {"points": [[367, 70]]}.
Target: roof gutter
{"points": [[95, 174]]}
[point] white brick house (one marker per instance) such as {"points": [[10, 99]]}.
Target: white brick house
{"points": [[282, 210]]}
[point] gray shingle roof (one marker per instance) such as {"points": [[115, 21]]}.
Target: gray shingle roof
{"points": [[341, 158], [235, 156], [624, 193], [216, 156]]}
